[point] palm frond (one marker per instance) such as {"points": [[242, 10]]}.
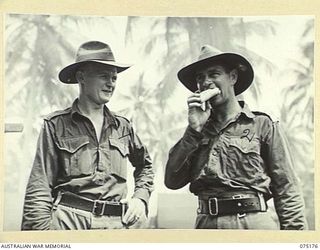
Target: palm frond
{"points": [[258, 27]]}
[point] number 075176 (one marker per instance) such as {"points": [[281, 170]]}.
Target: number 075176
{"points": [[309, 245]]}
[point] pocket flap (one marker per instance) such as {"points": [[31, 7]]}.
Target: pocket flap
{"points": [[72, 144], [245, 146], [123, 149]]}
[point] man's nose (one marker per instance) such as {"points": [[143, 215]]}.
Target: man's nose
{"points": [[110, 83], [207, 82]]}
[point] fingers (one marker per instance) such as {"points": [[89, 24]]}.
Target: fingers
{"points": [[134, 213], [208, 106], [130, 217], [194, 100]]}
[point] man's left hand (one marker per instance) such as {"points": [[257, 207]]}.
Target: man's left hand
{"points": [[136, 210]]}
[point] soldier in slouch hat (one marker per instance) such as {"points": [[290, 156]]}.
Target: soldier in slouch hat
{"points": [[234, 159], [78, 179]]}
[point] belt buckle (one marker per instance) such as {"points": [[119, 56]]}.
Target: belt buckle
{"points": [[96, 205], [216, 206]]}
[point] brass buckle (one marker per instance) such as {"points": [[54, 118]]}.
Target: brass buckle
{"points": [[216, 206], [95, 207]]}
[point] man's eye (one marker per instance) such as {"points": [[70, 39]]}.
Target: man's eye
{"points": [[114, 78], [214, 75], [199, 78]]}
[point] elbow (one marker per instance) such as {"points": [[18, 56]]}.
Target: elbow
{"points": [[169, 184], [172, 183]]}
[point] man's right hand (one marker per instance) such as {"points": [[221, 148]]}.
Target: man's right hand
{"points": [[196, 116]]}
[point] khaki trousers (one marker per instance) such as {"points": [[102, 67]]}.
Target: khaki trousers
{"points": [[259, 220], [68, 218]]}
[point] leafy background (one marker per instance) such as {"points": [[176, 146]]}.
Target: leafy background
{"points": [[281, 50]]}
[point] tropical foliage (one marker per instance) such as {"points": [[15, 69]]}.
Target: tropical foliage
{"points": [[297, 113]]}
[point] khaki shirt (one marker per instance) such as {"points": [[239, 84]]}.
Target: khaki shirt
{"points": [[249, 153], [69, 157]]}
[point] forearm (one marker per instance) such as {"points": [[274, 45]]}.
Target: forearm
{"points": [[37, 206], [144, 184], [143, 173], [290, 210], [38, 198], [288, 199], [177, 172]]}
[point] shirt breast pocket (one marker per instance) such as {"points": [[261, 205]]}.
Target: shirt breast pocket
{"points": [[245, 146], [119, 152], [75, 156], [243, 158]]}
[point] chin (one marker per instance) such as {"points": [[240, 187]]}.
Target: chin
{"points": [[105, 99], [216, 102], [102, 101]]}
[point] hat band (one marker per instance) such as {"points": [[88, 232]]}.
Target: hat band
{"points": [[105, 56]]}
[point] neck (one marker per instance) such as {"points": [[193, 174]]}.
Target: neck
{"points": [[227, 111], [89, 108]]}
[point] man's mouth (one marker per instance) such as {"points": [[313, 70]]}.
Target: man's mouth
{"points": [[107, 90]]}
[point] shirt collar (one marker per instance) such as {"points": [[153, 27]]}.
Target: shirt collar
{"points": [[109, 117], [245, 110]]}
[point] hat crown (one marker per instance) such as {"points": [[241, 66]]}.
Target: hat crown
{"points": [[210, 55], [94, 50], [208, 51]]}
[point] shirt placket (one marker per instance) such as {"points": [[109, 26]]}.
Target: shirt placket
{"points": [[104, 164], [102, 169], [213, 167], [213, 160]]}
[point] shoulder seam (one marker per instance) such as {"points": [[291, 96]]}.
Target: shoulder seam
{"points": [[262, 113], [122, 117], [57, 113]]}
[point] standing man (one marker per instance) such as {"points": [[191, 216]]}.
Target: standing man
{"points": [[233, 158], [78, 179]]}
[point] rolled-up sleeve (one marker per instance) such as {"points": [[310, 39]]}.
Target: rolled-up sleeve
{"points": [[288, 199], [38, 197], [177, 173]]}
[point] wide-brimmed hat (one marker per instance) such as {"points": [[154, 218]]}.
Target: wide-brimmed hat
{"points": [[92, 51], [210, 56]]}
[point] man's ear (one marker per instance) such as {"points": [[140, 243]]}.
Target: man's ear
{"points": [[79, 76], [234, 76]]}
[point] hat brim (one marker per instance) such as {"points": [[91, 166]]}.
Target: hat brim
{"points": [[68, 74], [245, 77]]}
